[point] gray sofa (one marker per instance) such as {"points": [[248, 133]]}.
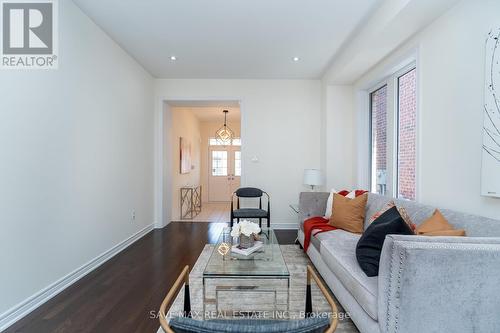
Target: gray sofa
{"points": [[425, 284]]}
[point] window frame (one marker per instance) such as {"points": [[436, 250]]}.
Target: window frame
{"points": [[391, 81], [376, 88], [237, 152], [212, 162]]}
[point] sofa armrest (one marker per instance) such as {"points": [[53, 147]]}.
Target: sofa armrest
{"points": [[312, 204], [439, 284]]}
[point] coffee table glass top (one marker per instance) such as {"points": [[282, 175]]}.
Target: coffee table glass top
{"points": [[268, 261]]}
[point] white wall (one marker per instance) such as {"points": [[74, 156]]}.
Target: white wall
{"points": [[280, 125], [339, 137], [186, 125], [450, 62], [77, 156]]}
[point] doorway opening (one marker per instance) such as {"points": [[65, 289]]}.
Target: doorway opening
{"points": [[201, 171]]}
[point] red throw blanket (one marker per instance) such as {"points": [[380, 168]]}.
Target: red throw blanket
{"points": [[318, 223]]}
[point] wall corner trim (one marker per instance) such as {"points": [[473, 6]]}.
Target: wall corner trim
{"points": [[25, 307]]}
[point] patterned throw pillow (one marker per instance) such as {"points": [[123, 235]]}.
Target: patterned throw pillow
{"points": [[388, 206], [406, 217], [402, 211]]}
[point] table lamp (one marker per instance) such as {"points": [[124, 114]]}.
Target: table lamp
{"points": [[313, 177]]}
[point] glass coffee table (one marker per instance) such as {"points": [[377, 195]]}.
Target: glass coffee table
{"points": [[239, 286]]}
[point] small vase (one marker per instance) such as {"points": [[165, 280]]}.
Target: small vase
{"points": [[246, 241]]}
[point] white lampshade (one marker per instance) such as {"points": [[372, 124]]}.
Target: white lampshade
{"points": [[313, 177]]}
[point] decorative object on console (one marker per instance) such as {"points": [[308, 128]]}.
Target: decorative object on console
{"points": [[224, 135], [185, 155], [227, 240], [349, 214], [370, 244], [223, 249], [247, 232], [313, 177], [437, 225], [490, 170]]}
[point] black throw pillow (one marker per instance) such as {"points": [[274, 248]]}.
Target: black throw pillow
{"points": [[370, 244]]}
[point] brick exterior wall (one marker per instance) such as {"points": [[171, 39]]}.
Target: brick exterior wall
{"points": [[407, 135], [379, 133]]}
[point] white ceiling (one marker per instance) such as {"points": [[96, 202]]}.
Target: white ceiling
{"points": [[230, 38], [212, 113]]}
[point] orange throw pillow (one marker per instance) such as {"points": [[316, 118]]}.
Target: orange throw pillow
{"points": [[454, 232], [349, 214], [437, 225]]}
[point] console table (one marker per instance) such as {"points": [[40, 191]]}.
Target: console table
{"points": [[190, 202]]}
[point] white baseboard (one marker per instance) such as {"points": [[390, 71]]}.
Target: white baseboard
{"points": [[22, 309]]}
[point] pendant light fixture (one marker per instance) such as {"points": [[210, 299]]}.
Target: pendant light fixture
{"points": [[224, 135]]}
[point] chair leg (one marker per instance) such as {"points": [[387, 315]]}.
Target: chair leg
{"points": [[238, 220], [308, 311], [260, 222], [187, 302], [268, 223]]}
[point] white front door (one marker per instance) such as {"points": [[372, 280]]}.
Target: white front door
{"points": [[224, 173]]}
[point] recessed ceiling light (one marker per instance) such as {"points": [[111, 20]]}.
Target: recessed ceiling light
{"points": [[295, 59], [173, 58]]}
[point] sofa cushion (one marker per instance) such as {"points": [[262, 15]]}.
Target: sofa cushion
{"points": [[315, 240], [338, 250]]}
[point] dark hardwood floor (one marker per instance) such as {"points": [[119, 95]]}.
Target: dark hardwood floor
{"points": [[122, 294]]}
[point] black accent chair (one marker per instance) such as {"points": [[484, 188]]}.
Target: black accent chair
{"points": [[250, 213]]}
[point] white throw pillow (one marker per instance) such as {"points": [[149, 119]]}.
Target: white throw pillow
{"points": [[329, 202], [351, 195]]}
